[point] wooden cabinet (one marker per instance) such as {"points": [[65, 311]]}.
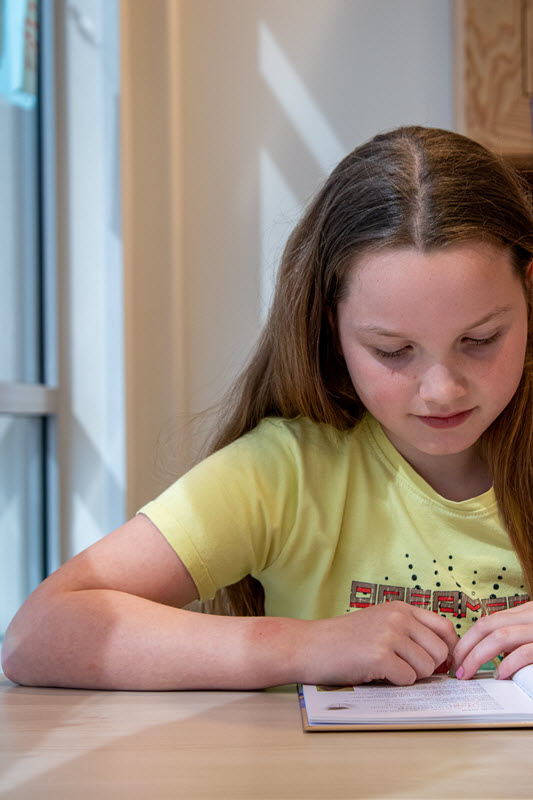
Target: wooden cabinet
{"points": [[494, 74]]}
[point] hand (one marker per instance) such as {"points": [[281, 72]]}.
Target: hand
{"points": [[508, 632], [391, 641]]}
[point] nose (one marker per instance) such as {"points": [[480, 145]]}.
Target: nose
{"points": [[440, 385]]}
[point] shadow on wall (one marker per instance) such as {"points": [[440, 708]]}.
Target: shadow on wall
{"points": [[273, 99], [280, 206]]}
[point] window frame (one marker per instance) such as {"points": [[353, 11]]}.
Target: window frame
{"points": [[41, 400]]}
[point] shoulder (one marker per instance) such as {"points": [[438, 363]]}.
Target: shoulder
{"points": [[295, 435], [279, 453], [309, 446]]}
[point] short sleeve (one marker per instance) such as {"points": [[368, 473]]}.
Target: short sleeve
{"points": [[230, 515]]}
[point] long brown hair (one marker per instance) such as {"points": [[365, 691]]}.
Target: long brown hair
{"points": [[417, 187]]}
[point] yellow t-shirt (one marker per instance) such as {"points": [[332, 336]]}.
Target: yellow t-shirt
{"points": [[330, 522]]}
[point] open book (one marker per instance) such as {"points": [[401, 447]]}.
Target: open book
{"points": [[435, 702]]}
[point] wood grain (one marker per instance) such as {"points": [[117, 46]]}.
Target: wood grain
{"points": [[496, 67], [60, 743]]}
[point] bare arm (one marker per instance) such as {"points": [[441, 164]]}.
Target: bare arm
{"points": [[112, 618]]}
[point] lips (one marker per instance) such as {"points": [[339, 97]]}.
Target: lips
{"points": [[449, 421]]}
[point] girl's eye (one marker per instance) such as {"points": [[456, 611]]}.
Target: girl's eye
{"points": [[394, 354], [482, 342]]}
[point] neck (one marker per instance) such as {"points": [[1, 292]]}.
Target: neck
{"points": [[459, 476], [457, 481]]}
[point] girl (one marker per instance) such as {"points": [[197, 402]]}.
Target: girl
{"points": [[378, 448]]}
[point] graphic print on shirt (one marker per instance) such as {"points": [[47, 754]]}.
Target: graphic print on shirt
{"points": [[455, 603]]}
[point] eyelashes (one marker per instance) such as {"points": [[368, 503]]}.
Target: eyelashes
{"points": [[481, 342], [394, 354], [405, 351]]}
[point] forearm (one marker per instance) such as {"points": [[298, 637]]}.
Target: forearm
{"points": [[105, 639]]}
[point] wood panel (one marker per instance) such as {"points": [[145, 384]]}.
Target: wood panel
{"points": [[494, 73]]}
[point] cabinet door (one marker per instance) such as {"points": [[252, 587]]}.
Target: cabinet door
{"points": [[494, 78]]}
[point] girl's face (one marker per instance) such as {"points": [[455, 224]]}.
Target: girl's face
{"points": [[434, 344]]}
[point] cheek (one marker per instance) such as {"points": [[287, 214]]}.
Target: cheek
{"points": [[510, 375], [503, 375], [376, 385]]}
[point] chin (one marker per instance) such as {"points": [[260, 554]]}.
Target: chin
{"points": [[450, 445], [446, 451]]}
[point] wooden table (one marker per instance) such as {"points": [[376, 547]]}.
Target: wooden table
{"points": [[82, 744]]}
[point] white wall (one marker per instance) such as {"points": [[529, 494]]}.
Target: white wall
{"points": [[275, 93], [264, 97]]}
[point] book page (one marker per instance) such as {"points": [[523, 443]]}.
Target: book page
{"points": [[524, 679], [434, 698], [429, 695]]}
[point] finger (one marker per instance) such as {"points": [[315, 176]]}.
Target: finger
{"points": [[502, 640], [434, 634], [487, 625], [418, 657], [442, 627], [399, 671], [471, 639], [431, 642], [517, 659]]}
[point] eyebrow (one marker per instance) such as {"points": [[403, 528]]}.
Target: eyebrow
{"points": [[398, 335]]}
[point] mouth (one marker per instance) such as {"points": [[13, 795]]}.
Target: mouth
{"points": [[446, 421]]}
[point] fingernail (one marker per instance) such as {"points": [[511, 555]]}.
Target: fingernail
{"points": [[459, 673]]}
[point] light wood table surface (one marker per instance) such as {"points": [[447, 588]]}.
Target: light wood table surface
{"points": [[77, 744]]}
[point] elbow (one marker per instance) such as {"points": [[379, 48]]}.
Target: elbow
{"points": [[9, 658], [16, 657]]}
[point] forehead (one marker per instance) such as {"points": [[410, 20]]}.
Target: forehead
{"points": [[404, 285]]}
